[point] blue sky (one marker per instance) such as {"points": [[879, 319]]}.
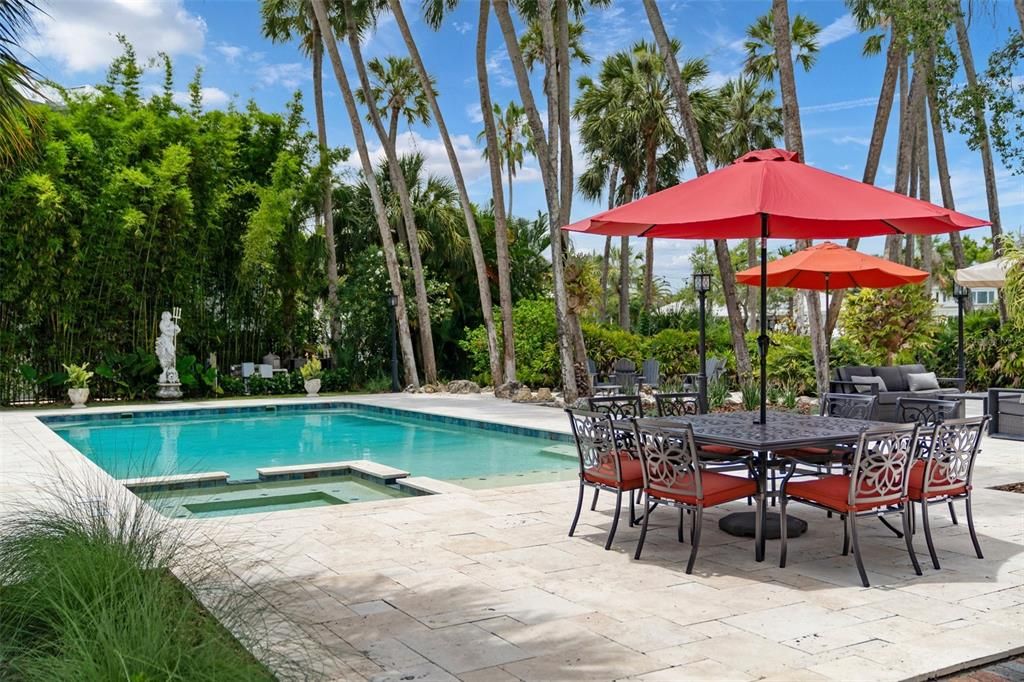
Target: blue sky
{"points": [[837, 98]]}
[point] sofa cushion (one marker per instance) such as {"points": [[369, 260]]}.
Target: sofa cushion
{"points": [[847, 373], [913, 369], [1012, 406], [893, 377], [864, 384], [922, 382]]}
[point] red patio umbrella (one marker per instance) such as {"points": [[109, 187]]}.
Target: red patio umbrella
{"points": [[770, 193]]}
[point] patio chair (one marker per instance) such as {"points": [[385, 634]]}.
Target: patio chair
{"points": [[600, 387], [677, 404], [714, 368], [674, 476], [878, 481], [927, 412], [946, 474], [617, 406], [624, 376], [844, 405], [605, 464], [650, 373]]}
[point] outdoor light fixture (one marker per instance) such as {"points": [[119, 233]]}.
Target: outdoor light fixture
{"points": [[702, 285], [392, 305], [960, 292]]}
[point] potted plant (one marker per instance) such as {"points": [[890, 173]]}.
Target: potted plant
{"points": [[78, 383], [311, 373]]}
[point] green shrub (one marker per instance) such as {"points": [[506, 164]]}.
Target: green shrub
{"points": [[605, 345], [335, 380], [133, 374], [535, 341], [197, 380], [790, 361], [78, 375], [87, 593], [676, 352]]}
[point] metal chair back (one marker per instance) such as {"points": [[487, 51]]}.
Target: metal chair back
{"points": [[949, 466], [677, 404], [927, 412], [617, 406], [595, 440], [880, 470], [671, 463], [849, 406]]}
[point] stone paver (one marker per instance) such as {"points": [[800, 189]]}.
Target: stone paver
{"points": [[485, 585]]}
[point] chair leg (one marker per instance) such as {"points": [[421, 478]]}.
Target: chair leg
{"points": [[852, 518], [908, 509], [846, 534], [783, 532], [970, 527], [885, 522], [593, 505], [952, 513], [579, 507], [632, 509], [615, 520], [698, 516], [643, 528], [758, 531], [928, 533], [682, 524]]}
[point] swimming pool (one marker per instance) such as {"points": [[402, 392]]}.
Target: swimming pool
{"points": [[239, 442]]}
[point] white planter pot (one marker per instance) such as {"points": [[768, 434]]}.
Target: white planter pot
{"points": [[312, 387], [78, 396]]}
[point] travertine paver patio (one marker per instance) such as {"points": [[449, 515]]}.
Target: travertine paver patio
{"points": [[485, 585]]}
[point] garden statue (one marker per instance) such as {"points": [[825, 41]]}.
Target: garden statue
{"points": [[168, 385]]}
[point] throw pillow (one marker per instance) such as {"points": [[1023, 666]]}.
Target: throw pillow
{"points": [[923, 382], [864, 384]]}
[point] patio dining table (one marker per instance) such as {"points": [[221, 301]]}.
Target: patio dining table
{"points": [[783, 431]]}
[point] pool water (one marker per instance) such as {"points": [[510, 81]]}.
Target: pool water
{"points": [[240, 443]]}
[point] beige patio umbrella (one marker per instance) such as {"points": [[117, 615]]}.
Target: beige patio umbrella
{"points": [[990, 274]]}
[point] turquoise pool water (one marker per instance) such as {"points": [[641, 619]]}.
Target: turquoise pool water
{"points": [[239, 443]]}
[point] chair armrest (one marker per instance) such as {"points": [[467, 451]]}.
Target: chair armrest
{"points": [[835, 384], [957, 381]]}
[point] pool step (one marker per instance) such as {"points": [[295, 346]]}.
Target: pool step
{"points": [[563, 449], [358, 468], [156, 484]]}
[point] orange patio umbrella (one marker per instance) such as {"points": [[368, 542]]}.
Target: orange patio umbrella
{"points": [[829, 266]]}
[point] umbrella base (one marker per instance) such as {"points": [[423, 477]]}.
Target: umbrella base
{"points": [[741, 524]]}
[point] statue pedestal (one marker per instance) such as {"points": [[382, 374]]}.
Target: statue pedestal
{"points": [[168, 391]]}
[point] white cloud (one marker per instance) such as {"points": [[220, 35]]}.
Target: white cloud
{"points": [[230, 52], [717, 79], [82, 35], [462, 27], [474, 113], [851, 139], [840, 106], [213, 98], [289, 75], [499, 68], [843, 27]]}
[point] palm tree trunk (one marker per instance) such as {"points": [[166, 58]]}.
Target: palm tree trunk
{"points": [[613, 181], [795, 142], [393, 127], [883, 112], [693, 143], [924, 191], [987, 165], [500, 217], [327, 204], [394, 274], [408, 216], [510, 170], [908, 124], [1019, 4], [751, 298], [651, 170], [547, 34], [549, 177], [956, 244], [564, 106], [624, 283]]}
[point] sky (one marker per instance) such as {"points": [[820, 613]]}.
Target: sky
{"points": [[76, 41]]}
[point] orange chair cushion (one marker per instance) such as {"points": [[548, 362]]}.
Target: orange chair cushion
{"points": [[604, 473], [805, 453], [833, 492], [718, 488], [721, 450], [916, 488]]}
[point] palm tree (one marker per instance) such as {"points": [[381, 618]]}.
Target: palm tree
{"points": [[284, 21], [354, 26], [18, 122], [513, 141], [397, 93], [501, 232], [479, 264], [761, 59], [795, 142], [390, 258], [695, 147], [601, 176]]}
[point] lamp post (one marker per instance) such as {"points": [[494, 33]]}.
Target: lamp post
{"points": [[702, 285], [961, 293], [392, 305]]}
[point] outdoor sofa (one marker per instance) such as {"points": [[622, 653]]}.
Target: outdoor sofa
{"points": [[897, 384], [1007, 408]]}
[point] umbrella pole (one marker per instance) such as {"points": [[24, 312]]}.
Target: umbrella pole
{"points": [[828, 335], [762, 340]]}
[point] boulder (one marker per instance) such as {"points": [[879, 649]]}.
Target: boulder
{"points": [[463, 386], [523, 395], [507, 389], [580, 404], [544, 395], [429, 388]]}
